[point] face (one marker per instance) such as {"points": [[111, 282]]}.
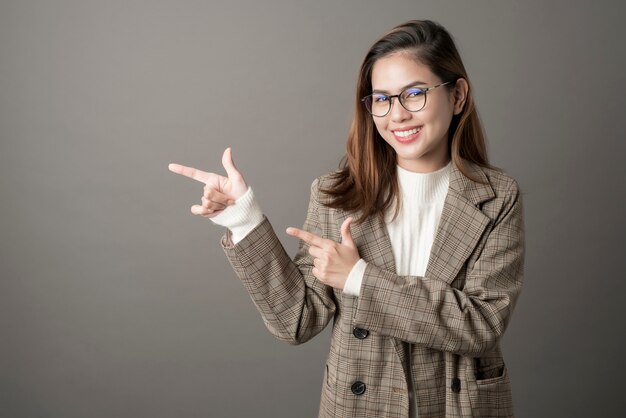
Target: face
{"points": [[419, 138]]}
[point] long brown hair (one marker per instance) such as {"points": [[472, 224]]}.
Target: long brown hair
{"points": [[367, 181]]}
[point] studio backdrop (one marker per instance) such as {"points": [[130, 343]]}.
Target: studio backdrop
{"points": [[115, 301]]}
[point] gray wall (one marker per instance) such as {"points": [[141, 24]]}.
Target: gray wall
{"points": [[115, 301]]}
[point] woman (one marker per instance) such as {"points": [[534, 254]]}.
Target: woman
{"points": [[415, 247]]}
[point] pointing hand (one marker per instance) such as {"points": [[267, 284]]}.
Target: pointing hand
{"points": [[332, 261], [219, 191]]}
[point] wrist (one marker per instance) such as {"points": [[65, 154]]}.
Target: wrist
{"points": [[241, 217]]}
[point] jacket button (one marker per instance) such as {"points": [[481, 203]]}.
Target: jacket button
{"points": [[456, 385], [360, 333], [358, 388]]}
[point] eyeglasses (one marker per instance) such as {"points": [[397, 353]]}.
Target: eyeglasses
{"points": [[412, 99]]}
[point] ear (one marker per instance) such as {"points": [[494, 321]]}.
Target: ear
{"points": [[459, 95]]}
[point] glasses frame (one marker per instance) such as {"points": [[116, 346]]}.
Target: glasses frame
{"points": [[390, 97]]}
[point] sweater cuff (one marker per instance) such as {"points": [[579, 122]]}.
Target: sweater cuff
{"points": [[240, 218], [352, 287]]}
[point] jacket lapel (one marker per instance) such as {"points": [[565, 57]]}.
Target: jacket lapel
{"points": [[460, 227], [461, 224]]}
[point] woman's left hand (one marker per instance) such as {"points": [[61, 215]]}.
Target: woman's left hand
{"points": [[332, 261]]}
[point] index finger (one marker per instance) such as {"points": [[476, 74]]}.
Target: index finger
{"points": [[307, 237], [192, 173]]}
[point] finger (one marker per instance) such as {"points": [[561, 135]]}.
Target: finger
{"points": [[190, 172], [307, 237], [315, 272], [212, 215], [316, 252], [199, 210], [229, 165], [346, 235], [217, 196], [209, 204]]}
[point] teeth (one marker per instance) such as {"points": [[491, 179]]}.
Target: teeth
{"points": [[404, 134]]}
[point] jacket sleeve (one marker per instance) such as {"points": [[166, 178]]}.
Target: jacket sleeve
{"points": [[429, 312], [294, 305]]}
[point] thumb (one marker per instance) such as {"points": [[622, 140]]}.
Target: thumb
{"points": [[346, 235], [229, 165]]}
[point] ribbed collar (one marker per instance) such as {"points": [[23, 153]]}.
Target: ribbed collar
{"points": [[424, 187]]}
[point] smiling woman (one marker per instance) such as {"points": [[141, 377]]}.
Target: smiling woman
{"points": [[413, 249]]}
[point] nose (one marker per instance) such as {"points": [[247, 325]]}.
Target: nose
{"points": [[398, 113]]}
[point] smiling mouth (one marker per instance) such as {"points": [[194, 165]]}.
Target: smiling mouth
{"points": [[407, 133]]}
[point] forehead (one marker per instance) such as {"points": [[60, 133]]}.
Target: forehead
{"points": [[393, 72]]}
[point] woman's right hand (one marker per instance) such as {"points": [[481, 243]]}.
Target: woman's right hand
{"points": [[219, 191]]}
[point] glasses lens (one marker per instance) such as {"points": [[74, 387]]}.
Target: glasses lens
{"points": [[413, 99], [377, 104]]}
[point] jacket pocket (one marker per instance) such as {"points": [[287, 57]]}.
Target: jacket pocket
{"points": [[490, 393], [330, 380], [327, 378], [328, 401], [490, 374]]}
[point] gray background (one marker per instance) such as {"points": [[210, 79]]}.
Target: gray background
{"points": [[115, 301]]}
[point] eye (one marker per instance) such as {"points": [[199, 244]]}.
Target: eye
{"points": [[413, 92], [379, 98]]}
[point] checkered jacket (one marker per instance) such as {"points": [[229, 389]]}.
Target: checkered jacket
{"points": [[448, 323]]}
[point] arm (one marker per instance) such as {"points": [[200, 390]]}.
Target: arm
{"points": [[293, 304], [429, 312]]}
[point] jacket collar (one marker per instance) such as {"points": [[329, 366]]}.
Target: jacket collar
{"points": [[474, 192], [460, 226]]}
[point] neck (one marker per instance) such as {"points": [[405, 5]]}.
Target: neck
{"points": [[432, 160], [425, 165]]}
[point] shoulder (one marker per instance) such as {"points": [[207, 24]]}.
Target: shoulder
{"points": [[323, 182], [506, 192], [491, 188], [479, 183], [502, 182]]}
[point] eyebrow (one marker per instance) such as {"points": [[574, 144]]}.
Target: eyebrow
{"points": [[412, 84]]}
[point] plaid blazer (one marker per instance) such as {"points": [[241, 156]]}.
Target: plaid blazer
{"points": [[448, 323]]}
